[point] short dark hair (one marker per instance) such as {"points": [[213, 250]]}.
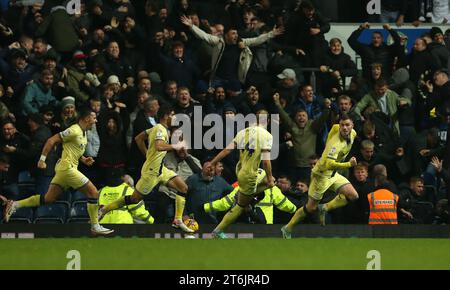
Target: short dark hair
{"points": [[84, 112], [284, 176], [164, 110], [345, 117], [37, 118], [381, 83], [207, 159], [441, 71], [46, 72], [177, 43], [334, 40], [306, 5], [377, 32], [300, 110], [304, 180], [8, 121], [95, 99], [362, 165]]}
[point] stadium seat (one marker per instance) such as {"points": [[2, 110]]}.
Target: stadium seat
{"points": [[26, 190], [25, 178], [79, 213], [26, 184], [22, 215], [78, 197], [423, 212], [431, 193], [53, 213], [65, 199]]}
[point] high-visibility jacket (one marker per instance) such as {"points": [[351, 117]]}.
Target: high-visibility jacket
{"points": [[272, 196], [127, 214], [383, 207]]}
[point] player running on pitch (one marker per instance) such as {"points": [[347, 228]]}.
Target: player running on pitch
{"points": [[324, 175], [255, 144], [154, 172], [66, 171]]}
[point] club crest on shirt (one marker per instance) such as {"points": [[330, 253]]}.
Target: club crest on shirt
{"points": [[332, 151], [65, 133]]}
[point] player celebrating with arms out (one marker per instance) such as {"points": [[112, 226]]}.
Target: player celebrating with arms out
{"points": [[324, 175], [66, 171], [255, 144], [154, 172]]}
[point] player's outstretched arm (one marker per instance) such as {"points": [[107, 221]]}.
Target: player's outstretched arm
{"points": [[140, 142], [334, 165], [224, 153], [51, 142]]}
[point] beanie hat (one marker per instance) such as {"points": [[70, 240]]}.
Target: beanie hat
{"points": [[67, 101], [113, 79]]}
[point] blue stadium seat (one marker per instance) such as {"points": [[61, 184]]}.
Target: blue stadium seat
{"points": [[25, 177], [78, 213], [26, 184], [26, 190], [65, 199], [22, 215], [52, 213], [78, 197]]}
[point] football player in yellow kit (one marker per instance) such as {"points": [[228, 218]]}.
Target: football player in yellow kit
{"points": [[254, 144], [154, 172], [324, 175], [66, 171]]}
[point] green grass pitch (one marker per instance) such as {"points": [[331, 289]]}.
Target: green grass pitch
{"points": [[233, 254]]}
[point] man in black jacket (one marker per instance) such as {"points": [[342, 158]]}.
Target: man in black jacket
{"points": [[305, 33], [15, 145], [438, 48], [39, 135], [439, 93], [377, 51]]}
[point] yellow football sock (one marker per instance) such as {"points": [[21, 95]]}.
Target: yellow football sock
{"points": [[337, 202], [180, 201], [299, 215], [32, 201], [92, 209], [229, 217]]}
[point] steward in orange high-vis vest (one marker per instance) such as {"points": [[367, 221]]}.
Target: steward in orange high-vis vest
{"points": [[383, 204]]}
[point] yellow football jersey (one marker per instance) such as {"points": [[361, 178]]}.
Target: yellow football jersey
{"points": [[74, 143], [251, 142], [154, 162], [336, 150]]}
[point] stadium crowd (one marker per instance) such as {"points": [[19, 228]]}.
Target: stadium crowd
{"points": [[125, 58]]}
